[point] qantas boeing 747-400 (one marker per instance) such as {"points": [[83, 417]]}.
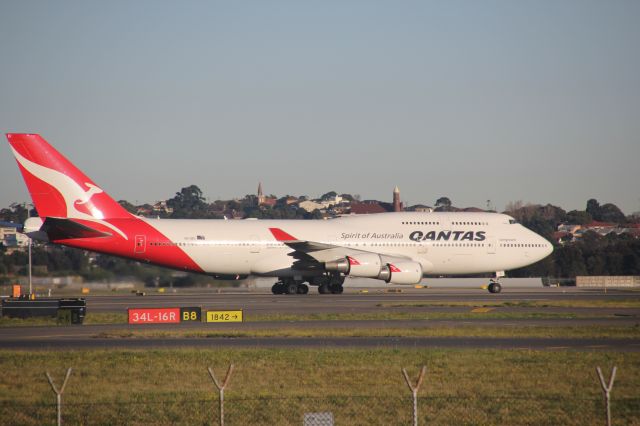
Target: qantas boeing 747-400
{"points": [[399, 248]]}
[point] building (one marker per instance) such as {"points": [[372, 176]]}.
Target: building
{"points": [[420, 208], [260, 194], [569, 228], [162, 207], [265, 201], [397, 204], [310, 206], [10, 238], [367, 207]]}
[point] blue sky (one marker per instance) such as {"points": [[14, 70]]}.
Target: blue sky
{"points": [[474, 100]]}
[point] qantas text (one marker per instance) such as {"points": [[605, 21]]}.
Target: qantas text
{"points": [[448, 235]]}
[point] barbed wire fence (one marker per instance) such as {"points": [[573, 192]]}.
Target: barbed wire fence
{"points": [[220, 409]]}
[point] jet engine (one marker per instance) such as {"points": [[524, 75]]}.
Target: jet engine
{"points": [[401, 273], [367, 265]]}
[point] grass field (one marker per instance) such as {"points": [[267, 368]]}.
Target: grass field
{"points": [[271, 386], [359, 386], [592, 332], [576, 303]]}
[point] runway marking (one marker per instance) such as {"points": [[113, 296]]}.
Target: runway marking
{"points": [[46, 336]]}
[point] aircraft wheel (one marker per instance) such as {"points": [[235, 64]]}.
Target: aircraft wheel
{"points": [[277, 288], [495, 288], [303, 289], [337, 289], [291, 288], [323, 289]]}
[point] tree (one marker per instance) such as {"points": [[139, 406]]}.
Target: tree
{"points": [[128, 206], [540, 226], [569, 261], [605, 213], [579, 217], [593, 208], [16, 213], [611, 213], [513, 207], [443, 204], [188, 203], [329, 195]]}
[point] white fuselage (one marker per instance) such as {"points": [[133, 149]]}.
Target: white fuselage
{"points": [[443, 243]]}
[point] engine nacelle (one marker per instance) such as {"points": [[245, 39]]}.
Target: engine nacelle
{"points": [[401, 273], [366, 265]]}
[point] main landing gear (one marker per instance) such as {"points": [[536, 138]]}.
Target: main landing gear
{"points": [[329, 283], [494, 283], [290, 286], [330, 289]]}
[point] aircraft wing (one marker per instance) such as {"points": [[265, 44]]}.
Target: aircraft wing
{"points": [[312, 254]]}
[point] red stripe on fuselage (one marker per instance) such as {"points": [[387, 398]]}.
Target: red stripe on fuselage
{"points": [[165, 253]]}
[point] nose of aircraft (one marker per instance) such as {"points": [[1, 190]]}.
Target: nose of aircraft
{"points": [[547, 247]]}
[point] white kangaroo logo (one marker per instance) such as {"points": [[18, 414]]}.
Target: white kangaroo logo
{"points": [[70, 190], [93, 190]]}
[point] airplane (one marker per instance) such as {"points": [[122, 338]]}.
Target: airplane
{"points": [[398, 248]]}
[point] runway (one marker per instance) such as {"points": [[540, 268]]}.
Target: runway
{"points": [[327, 342], [353, 301], [262, 303]]}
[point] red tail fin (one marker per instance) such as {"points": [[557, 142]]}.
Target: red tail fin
{"points": [[57, 187]]}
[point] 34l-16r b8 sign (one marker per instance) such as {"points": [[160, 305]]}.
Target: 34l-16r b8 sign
{"points": [[163, 315]]}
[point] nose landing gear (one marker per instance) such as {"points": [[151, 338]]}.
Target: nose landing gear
{"points": [[494, 287], [494, 283]]}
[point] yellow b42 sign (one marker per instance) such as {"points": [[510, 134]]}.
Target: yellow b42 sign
{"points": [[224, 316]]}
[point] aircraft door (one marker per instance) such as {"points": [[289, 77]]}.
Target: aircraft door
{"points": [[254, 244], [140, 244], [491, 245]]}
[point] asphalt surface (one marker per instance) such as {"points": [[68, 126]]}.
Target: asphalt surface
{"points": [[329, 342], [353, 301], [263, 303]]}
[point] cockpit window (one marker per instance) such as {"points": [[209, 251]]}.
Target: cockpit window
{"points": [[512, 221]]}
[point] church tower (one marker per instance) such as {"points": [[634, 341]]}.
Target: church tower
{"points": [[397, 205], [260, 194]]}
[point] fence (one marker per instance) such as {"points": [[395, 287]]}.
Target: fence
{"points": [[351, 410]]}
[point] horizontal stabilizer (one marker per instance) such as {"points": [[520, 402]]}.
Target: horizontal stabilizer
{"points": [[67, 229]]}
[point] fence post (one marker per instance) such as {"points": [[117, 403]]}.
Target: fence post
{"points": [[221, 389], [607, 390], [414, 391], [59, 392]]}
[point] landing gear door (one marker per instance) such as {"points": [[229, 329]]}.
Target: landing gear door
{"points": [[491, 245], [140, 244]]}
